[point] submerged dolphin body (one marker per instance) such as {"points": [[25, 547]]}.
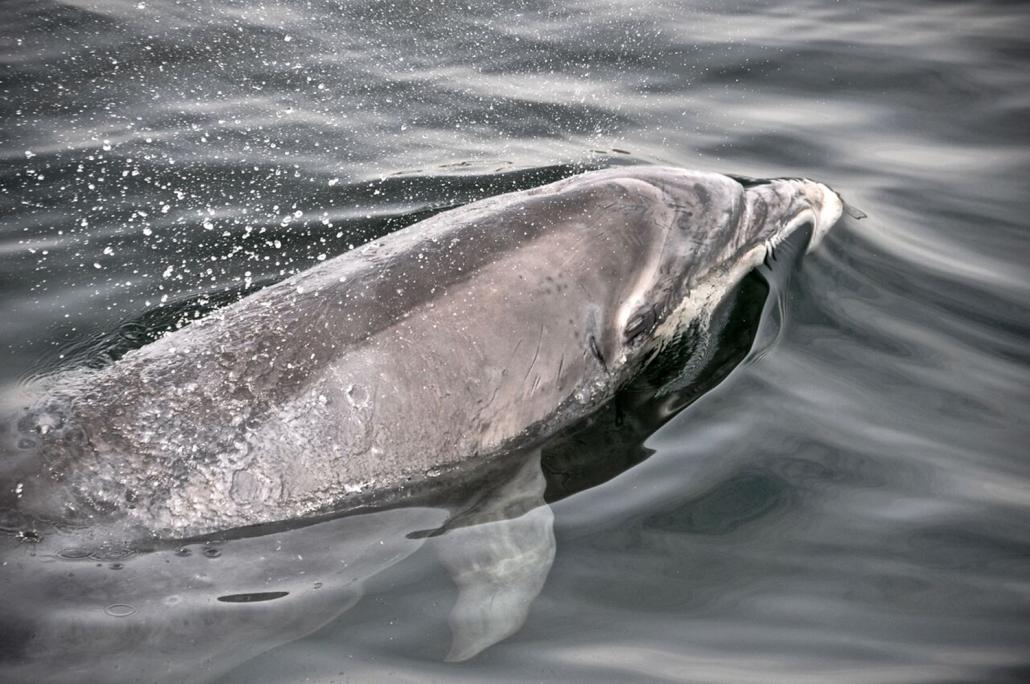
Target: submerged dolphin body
{"points": [[455, 344]]}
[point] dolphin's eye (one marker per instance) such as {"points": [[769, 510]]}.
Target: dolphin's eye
{"points": [[642, 321]]}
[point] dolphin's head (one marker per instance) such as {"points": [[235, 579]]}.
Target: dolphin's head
{"points": [[777, 208], [724, 227], [669, 245]]}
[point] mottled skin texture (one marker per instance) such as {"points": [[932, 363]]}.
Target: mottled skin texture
{"points": [[451, 341]]}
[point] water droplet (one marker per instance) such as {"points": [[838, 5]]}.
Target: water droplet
{"points": [[212, 552], [120, 610], [30, 536], [73, 553], [111, 553]]}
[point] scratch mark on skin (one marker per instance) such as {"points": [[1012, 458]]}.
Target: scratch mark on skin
{"points": [[536, 354], [489, 403], [515, 351], [596, 351]]}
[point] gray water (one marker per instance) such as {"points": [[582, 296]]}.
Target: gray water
{"points": [[850, 504]]}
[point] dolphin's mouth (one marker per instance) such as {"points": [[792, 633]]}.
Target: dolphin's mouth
{"points": [[786, 250], [781, 263]]}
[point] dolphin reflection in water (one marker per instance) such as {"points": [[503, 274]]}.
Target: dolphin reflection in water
{"points": [[405, 390]]}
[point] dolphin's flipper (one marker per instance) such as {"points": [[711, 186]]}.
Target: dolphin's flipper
{"points": [[499, 555]]}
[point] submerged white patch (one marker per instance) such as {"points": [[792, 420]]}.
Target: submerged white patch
{"points": [[829, 213], [824, 210], [702, 299]]}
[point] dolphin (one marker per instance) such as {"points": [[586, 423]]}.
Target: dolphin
{"points": [[444, 353]]}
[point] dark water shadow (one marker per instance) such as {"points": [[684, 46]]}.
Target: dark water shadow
{"points": [[611, 441]]}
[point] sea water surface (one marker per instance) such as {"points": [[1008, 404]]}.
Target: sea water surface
{"points": [[851, 504]]}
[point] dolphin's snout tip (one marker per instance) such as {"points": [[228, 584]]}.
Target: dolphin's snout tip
{"points": [[829, 207]]}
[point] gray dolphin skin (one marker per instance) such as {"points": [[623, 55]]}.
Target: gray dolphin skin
{"points": [[447, 342], [451, 347]]}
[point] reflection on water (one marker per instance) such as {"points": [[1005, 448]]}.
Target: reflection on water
{"points": [[186, 612], [851, 503], [730, 505]]}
